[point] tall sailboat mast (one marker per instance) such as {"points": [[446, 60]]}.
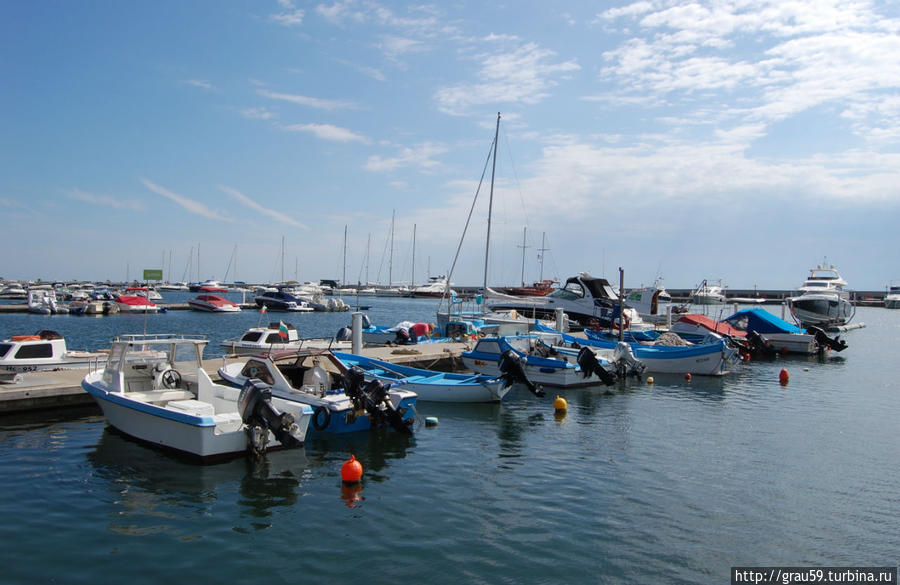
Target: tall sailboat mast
{"points": [[487, 247], [344, 275], [412, 280], [391, 254], [523, 246], [542, 250]]}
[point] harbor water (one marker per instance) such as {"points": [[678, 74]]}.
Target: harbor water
{"points": [[674, 482]]}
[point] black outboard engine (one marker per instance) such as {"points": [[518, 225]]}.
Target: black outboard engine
{"points": [[758, 347], [589, 363], [402, 337], [344, 334], [822, 339], [373, 398], [512, 370], [257, 412]]}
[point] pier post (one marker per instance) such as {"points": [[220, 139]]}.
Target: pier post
{"points": [[356, 337], [561, 320]]}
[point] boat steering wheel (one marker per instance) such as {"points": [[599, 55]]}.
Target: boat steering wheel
{"points": [[170, 379]]}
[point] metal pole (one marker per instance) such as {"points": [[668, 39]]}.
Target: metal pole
{"points": [[621, 304], [356, 336]]}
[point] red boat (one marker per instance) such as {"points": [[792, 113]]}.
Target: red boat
{"points": [[212, 304], [537, 289]]}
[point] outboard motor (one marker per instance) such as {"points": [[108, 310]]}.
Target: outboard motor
{"points": [[626, 363], [822, 339], [373, 398], [589, 363], [257, 412], [366, 323], [402, 337], [759, 347], [344, 334], [512, 370]]}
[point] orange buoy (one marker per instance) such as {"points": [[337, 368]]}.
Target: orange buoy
{"points": [[746, 357], [687, 376], [784, 377], [351, 470], [560, 405]]}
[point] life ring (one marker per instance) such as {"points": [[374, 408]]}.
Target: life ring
{"points": [[321, 425], [616, 322], [25, 337]]}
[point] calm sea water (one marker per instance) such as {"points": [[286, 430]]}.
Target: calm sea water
{"points": [[670, 483]]}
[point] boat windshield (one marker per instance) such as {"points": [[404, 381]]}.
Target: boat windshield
{"points": [[572, 291]]}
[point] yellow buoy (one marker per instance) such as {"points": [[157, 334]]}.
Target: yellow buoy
{"points": [[650, 379], [560, 404]]}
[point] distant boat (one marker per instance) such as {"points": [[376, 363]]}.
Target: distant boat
{"points": [[892, 298], [537, 289], [281, 300], [708, 294], [823, 300], [136, 303], [213, 304], [173, 287], [209, 286], [45, 350], [13, 290], [437, 286], [271, 338]]}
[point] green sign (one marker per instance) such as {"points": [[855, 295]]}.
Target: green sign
{"points": [[152, 274]]}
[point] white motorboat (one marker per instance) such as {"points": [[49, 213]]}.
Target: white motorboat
{"points": [[154, 388], [213, 304], [44, 302], [437, 286], [652, 303], [823, 300], [708, 294], [136, 303], [344, 402], [173, 287], [13, 290], [892, 298], [274, 337], [45, 350], [588, 300]]}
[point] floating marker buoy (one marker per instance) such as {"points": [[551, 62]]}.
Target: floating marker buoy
{"points": [[687, 376], [746, 357], [351, 470], [431, 421], [560, 404], [784, 377], [649, 379]]}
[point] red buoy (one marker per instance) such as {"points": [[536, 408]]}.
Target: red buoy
{"points": [[351, 470], [783, 377], [687, 376], [746, 357]]}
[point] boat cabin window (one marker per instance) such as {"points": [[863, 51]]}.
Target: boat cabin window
{"points": [[4, 348], [572, 291], [37, 350], [257, 369], [274, 338], [253, 336]]}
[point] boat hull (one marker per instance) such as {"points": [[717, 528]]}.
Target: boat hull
{"points": [[821, 310]]}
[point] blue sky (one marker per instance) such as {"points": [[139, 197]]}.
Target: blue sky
{"points": [[735, 140]]}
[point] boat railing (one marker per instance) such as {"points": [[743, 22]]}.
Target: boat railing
{"points": [[159, 338]]}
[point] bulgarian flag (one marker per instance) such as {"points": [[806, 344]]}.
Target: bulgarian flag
{"points": [[282, 330], [262, 309]]}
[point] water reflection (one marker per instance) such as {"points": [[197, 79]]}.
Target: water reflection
{"points": [[149, 483]]}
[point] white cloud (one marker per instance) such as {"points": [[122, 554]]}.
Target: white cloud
{"points": [[190, 205], [420, 156], [257, 114], [521, 76], [290, 15], [104, 200], [200, 83], [276, 215], [303, 100], [328, 132]]}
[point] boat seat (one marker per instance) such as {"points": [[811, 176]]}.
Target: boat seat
{"points": [[160, 396], [192, 407], [228, 421]]}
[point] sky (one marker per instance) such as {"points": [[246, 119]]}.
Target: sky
{"points": [[741, 140]]}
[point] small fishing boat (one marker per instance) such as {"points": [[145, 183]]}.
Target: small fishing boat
{"points": [[279, 337], [213, 304], [763, 332], [45, 350], [342, 400], [154, 389], [432, 386], [542, 361]]}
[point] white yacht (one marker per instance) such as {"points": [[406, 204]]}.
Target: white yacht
{"points": [[708, 294], [436, 287], [892, 298], [823, 299]]}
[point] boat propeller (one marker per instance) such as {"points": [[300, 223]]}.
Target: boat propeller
{"points": [[589, 363], [512, 370], [260, 416], [373, 397]]}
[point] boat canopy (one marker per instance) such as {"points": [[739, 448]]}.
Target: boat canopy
{"points": [[761, 321]]}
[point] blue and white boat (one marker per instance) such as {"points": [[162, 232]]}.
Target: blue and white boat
{"points": [[154, 388], [542, 362], [341, 399], [710, 358], [281, 300], [431, 386]]}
